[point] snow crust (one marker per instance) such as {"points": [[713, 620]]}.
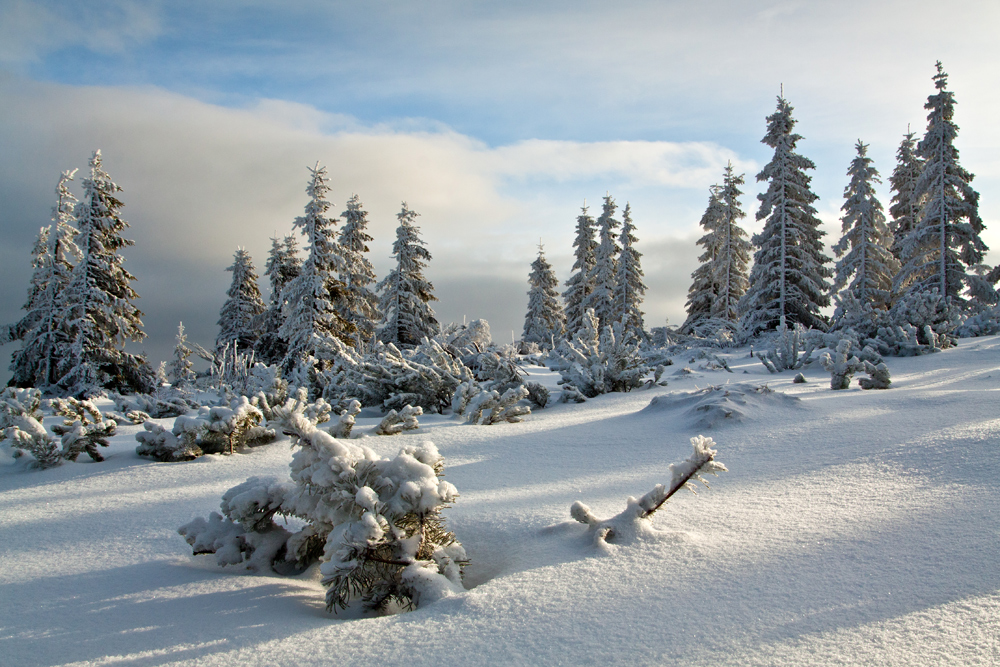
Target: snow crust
{"points": [[858, 528]]}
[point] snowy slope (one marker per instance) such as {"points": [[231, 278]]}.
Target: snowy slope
{"points": [[854, 527]]}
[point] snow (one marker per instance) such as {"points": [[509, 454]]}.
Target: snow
{"points": [[858, 527]]}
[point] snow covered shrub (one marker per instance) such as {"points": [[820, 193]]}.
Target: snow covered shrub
{"points": [[983, 323], [158, 443], [799, 379], [317, 412], [878, 376], [162, 403], [496, 372], [792, 349], [345, 420], [21, 426], [83, 429], [15, 402], [426, 376], [538, 394], [635, 522], [224, 429], [245, 533], [395, 423], [476, 335], [489, 407], [926, 309], [592, 364], [859, 316], [904, 341], [842, 365], [374, 523]]}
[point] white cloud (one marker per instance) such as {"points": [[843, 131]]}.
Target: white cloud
{"points": [[29, 29]]}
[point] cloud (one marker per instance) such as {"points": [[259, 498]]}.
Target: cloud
{"points": [[200, 180], [31, 29]]}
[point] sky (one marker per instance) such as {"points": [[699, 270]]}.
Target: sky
{"points": [[494, 121]]}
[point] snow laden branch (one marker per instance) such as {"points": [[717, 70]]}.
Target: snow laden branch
{"points": [[635, 520]]}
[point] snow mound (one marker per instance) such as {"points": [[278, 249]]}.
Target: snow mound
{"points": [[721, 405]]}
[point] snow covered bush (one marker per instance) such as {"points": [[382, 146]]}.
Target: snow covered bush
{"points": [[345, 420], [490, 407], [878, 376], [426, 376], [635, 522], [538, 394], [395, 423], [218, 429], [842, 365], [21, 426], [374, 523], [792, 349], [983, 323], [592, 364], [164, 402], [84, 428], [926, 309], [158, 443]]}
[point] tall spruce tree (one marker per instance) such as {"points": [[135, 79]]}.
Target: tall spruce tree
{"points": [[629, 288], [544, 323], [240, 313], [867, 267], [283, 265], [405, 294], [789, 280], [54, 256], [904, 205], [580, 285], [314, 299], [601, 299], [98, 314], [732, 260], [704, 290], [944, 247], [360, 307]]}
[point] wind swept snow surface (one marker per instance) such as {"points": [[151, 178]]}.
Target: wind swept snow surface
{"points": [[856, 527]]}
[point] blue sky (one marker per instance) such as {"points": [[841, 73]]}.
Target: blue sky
{"points": [[493, 120]]}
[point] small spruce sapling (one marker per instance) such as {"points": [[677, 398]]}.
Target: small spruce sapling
{"points": [[878, 376], [21, 426], [842, 365], [83, 429], [395, 423], [635, 522]]}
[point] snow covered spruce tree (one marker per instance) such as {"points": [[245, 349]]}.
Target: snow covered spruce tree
{"points": [[180, 370], [629, 288], [789, 279], [580, 285], [405, 294], [944, 247], [732, 260], [602, 298], [54, 255], [360, 306], [702, 293], [544, 322], [314, 326], [97, 309], [283, 265], [243, 308], [904, 206], [867, 267]]}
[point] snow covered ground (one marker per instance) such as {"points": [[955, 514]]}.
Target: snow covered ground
{"points": [[854, 527]]}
